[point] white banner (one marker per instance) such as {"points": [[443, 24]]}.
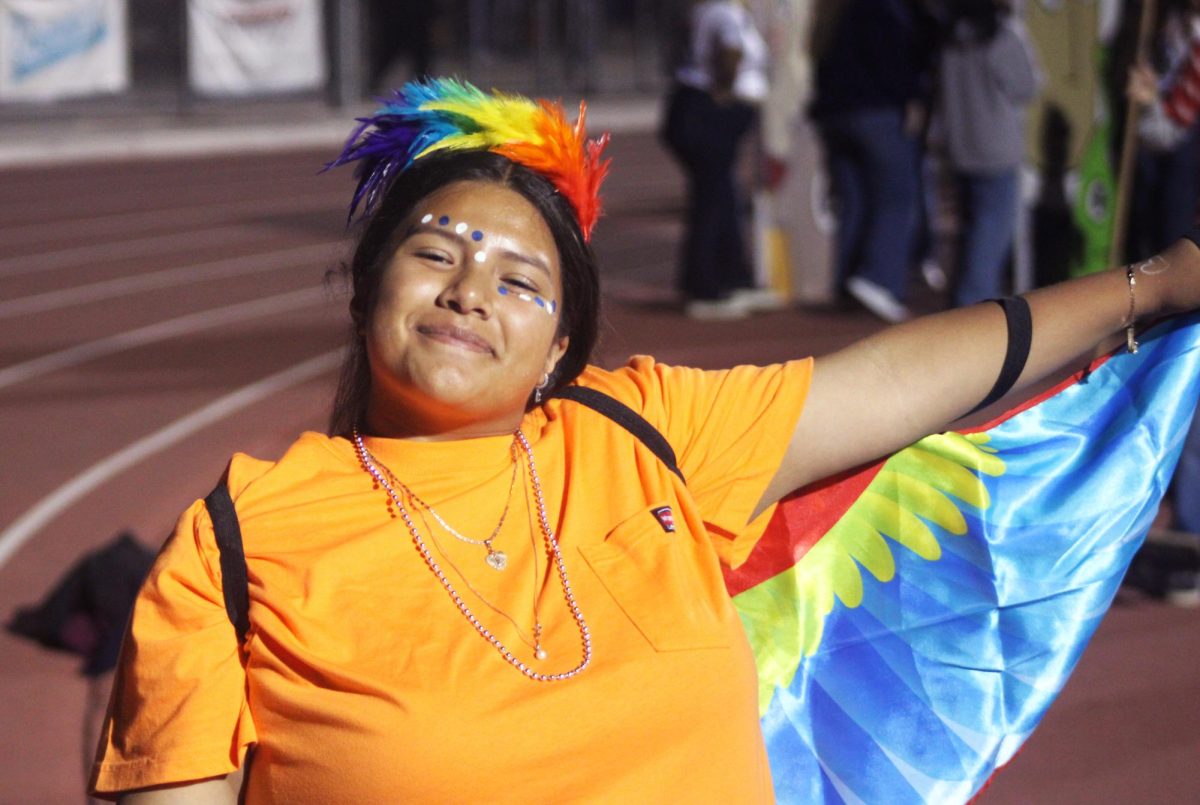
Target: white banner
{"points": [[53, 49], [250, 47]]}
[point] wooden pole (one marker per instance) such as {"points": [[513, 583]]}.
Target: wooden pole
{"points": [[1129, 144]]}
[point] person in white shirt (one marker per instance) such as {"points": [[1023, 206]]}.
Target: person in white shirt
{"points": [[712, 106]]}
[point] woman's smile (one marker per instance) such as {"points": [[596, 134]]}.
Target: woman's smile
{"points": [[454, 336]]}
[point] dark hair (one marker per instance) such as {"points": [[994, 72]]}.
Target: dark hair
{"points": [[982, 20], [380, 236]]}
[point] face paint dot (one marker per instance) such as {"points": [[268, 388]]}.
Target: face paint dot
{"points": [[503, 291], [525, 297], [460, 228], [428, 217], [476, 236], [480, 257], [445, 219], [540, 301]]}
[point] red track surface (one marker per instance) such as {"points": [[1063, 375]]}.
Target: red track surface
{"points": [[87, 253]]}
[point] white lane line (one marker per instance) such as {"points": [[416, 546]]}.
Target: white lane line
{"points": [[160, 331], [190, 215], [125, 249], [166, 278], [51, 506]]}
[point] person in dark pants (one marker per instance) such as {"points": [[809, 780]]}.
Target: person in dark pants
{"points": [[1166, 190], [712, 106], [705, 134], [873, 63], [394, 26]]}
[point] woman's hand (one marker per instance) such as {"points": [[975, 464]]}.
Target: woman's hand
{"points": [[1142, 85], [893, 388]]}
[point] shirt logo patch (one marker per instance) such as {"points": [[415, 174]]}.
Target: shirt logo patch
{"points": [[665, 517]]}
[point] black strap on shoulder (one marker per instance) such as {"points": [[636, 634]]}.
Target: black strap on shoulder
{"points": [[233, 558], [627, 418], [1020, 335]]}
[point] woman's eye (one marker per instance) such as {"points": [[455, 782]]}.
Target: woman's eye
{"points": [[433, 256], [520, 282]]}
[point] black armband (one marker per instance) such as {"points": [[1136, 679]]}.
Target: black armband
{"points": [[1020, 335]]}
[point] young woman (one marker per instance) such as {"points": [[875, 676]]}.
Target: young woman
{"points": [[471, 590]]}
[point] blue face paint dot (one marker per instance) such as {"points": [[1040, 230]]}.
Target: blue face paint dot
{"points": [[476, 235], [503, 291], [540, 301], [445, 219]]}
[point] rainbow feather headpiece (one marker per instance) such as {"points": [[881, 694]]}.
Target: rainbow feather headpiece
{"points": [[438, 114]]}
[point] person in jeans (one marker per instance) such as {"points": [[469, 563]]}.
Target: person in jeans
{"points": [[872, 60], [988, 77]]}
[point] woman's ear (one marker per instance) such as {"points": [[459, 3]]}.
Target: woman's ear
{"points": [[557, 350]]}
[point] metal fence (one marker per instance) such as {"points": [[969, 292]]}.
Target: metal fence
{"points": [[541, 46]]}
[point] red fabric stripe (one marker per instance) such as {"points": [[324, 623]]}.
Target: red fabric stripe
{"points": [[802, 518]]}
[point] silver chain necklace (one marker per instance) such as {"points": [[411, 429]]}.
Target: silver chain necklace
{"points": [[496, 559], [551, 545]]}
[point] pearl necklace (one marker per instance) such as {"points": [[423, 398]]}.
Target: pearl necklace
{"points": [[551, 546]]}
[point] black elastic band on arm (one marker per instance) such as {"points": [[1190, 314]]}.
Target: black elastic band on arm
{"points": [[627, 418], [233, 558], [1020, 335]]}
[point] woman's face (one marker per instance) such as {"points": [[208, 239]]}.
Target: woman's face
{"points": [[466, 315]]}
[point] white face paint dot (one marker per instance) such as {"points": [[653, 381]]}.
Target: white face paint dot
{"points": [[460, 228], [428, 217], [480, 257]]}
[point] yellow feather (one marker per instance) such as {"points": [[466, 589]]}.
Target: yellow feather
{"points": [[900, 524]]}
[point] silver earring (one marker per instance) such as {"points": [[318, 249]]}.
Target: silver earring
{"points": [[537, 392]]}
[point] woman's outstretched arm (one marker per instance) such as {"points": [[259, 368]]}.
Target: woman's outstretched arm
{"points": [[890, 389]]}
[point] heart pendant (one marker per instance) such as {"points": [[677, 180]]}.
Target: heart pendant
{"points": [[497, 560]]}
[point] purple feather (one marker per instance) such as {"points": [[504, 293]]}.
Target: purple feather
{"points": [[386, 143]]}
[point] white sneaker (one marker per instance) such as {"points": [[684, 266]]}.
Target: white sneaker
{"points": [[1183, 589], [934, 276], [759, 300], [878, 300], [715, 310]]}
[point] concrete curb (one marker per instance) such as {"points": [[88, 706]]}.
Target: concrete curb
{"points": [[36, 143]]}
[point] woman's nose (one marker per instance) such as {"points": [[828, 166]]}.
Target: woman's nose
{"points": [[471, 291]]}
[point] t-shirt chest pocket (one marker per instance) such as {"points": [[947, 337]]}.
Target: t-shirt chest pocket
{"points": [[657, 576]]}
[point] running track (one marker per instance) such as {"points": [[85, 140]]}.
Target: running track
{"points": [[157, 316]]}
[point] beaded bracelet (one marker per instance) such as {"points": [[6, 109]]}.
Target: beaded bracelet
{"points": [[1131, 343]]}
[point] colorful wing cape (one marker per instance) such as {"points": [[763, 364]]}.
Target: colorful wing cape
{"points": [[913, 621]]}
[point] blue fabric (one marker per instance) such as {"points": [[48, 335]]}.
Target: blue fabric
{"points": [[989, 203], [920, 692]]}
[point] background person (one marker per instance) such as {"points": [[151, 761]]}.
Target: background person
{"points": [[1166, 191], [711, 108], [987, 78], [873, 60]]}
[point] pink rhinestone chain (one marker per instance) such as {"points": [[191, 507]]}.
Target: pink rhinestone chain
{"points": [[551, 545]]}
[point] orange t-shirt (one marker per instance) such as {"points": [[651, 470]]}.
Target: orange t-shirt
{"points": [[362, 681]]}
